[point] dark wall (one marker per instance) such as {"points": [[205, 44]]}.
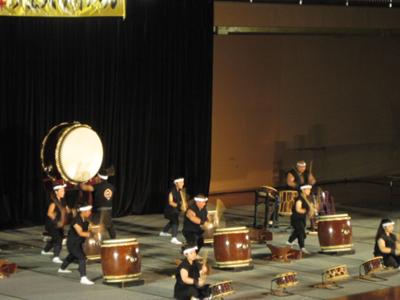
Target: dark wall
{"points": [[143, 83]]}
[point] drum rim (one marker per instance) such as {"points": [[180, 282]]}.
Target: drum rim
{"points": [[334, 217], [338, 247], [336, 267], [285, 274], [44, 142], [229, 229], [232, 263], [118, 278], [61, 138], [119, 241], [375, 258]]}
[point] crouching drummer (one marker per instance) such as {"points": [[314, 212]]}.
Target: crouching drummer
{"points": [[76, 237], [190, 277], [386, 244]]}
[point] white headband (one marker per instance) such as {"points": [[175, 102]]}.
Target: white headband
{"points": [[387, 224], [301, 164], [104, 177], [307, 186], [188, 250], [85, 208], [179, 180], [59, 187], [200, 199]]}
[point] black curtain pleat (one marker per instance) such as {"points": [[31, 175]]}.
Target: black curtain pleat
{"points": [[144, 84]]}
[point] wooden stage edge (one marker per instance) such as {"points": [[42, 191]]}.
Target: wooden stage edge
{"points": [[388, 293]]}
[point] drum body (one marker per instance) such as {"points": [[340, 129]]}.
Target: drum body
{"points": [[335, 233], [335, 273], [373, 265], [208, 234], [286, 279], [287, 199], [232, 247], [72, 151], [92, 245], [120, 260], [221, 289]]}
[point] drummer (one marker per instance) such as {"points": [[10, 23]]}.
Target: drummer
{"points": [[300, 210], [386, 244], [299, 176], [176, 203], [102, 202], [196, 218], [190, 277], [55, 218], [77, 234]]}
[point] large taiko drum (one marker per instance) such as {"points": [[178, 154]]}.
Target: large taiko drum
{"points": [[232, 247], [334, 233], [120, 260], [92, 245], [72, 151]]}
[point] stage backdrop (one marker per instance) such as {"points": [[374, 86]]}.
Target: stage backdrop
{"points": [[143, 83]]}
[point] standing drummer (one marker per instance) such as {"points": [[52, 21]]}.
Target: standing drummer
{"points": [[176, 203], [190, 277], [55, 219], [102, 201], [299, 176], [77, 234], [298, 218], [196, 218]]}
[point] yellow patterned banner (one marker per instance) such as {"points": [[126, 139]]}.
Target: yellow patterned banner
{"points": [[63, 8]]}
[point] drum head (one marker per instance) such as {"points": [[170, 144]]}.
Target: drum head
{"points": [[79, 153]]}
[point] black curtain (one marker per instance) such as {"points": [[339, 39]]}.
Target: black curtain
{"points": [[143, 84]]}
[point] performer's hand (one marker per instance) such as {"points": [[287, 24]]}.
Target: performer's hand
{"points": [[201, 282], [204, 269], [207, 225]]}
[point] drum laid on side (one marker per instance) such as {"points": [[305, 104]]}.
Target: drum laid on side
{"points": [[120, 260], [335, 233], [232, 247], [72, 151]]}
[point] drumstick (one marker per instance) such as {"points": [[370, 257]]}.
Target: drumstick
{"points": [[220, 208]]}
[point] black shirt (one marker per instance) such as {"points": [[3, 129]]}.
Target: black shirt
{"points": [[193, 227], [193, 272], [73, 236], [103, 193], [177, 197], [390, 242], [304, 205], [299, 179]]}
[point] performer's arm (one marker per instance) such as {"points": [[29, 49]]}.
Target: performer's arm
{"points": [[290, 181], [311, 179], [86, 187], [383, 248], [299, 208], [80, 231], [171, 201], [188, 280], [51, 211], [192, 217]]}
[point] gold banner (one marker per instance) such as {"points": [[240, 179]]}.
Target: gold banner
{"points": [[63, 8]]}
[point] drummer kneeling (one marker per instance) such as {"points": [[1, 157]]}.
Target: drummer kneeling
{"points": [[190, 277], [386, 244]]}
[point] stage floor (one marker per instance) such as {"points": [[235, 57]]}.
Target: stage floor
{"points": [[37, 277]]}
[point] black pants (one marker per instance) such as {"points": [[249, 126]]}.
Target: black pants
{"points": [[105, 218], [188, 291], [57, 235], [173, 224], [194, 238], [391, 261], [75, 253], [299, 232]]}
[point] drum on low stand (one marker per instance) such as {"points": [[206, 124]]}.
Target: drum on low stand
{"points": [[232, 247], [222, 289], [120, 260], [369, 268], [335, 233], [283, 281], [92, 245], [72, 151]]}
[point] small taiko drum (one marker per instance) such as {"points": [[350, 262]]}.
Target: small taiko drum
{"points": [[373, 265], [334, 233], [232, 247], [287, 199], [92, 245], [208, 234], [221, 289], [120, 260], [285, 280], [335, 273]]}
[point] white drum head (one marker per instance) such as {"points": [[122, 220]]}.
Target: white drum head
{"points": [[79, 154]]}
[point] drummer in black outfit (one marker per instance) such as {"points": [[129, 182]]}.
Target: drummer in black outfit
{"points": [[300, 210], [386, 244], [190, 277], [102, 201], [174, 206], [77, 234], [54, 223], [195, 218], [299, 176]]}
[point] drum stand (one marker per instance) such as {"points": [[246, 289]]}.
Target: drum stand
{"points": [[280, 291]]}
